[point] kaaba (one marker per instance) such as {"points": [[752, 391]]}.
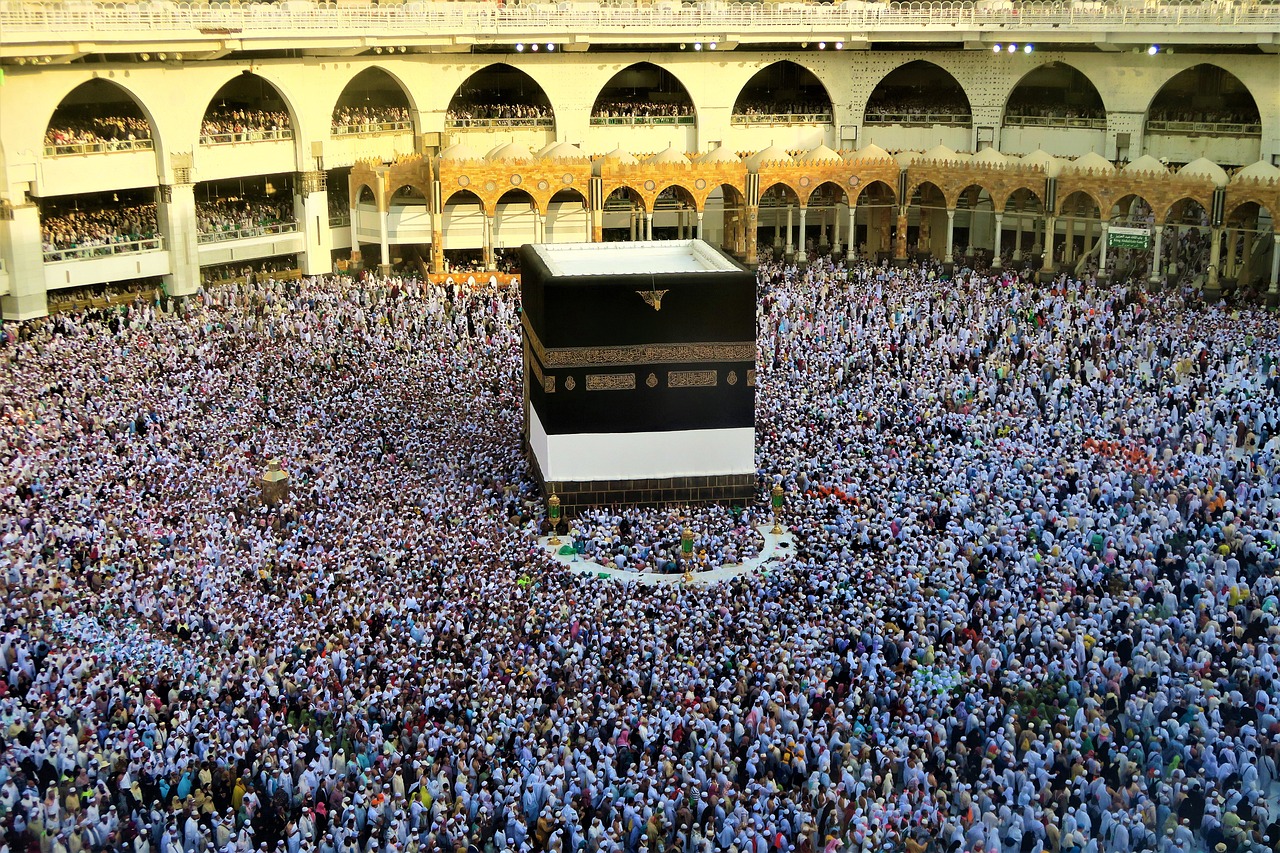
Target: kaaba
{"points": [[639, 372]]}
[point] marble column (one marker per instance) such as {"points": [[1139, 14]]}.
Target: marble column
{"points": [[996, 262]]}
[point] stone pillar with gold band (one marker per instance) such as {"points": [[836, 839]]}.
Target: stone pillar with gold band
{"points": [[311, 207]]}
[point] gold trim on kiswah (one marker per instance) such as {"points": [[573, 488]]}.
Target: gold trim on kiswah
{"points": [[611, 381], [691, 379], [638, 353]]}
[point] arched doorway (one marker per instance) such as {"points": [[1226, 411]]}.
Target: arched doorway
{"points": [[96, 117], [928, 207], [568, 218], [1081, 220], [500, 95], [1055, 95], [675, 215], [373, 102], [624, 216], [643, 94], [918, 93], [1204, 111], [725, 219], [783, 93], [779, 221], [876, 218], [515, 222], [827, 217], [246, 109], [464, 225]]}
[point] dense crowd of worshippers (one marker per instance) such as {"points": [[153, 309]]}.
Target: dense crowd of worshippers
{"points": [[468, 111], [641, 541], [943, 103], [1189, 113], [770, 108], [101, 228], [96, 130], [245, 217], [1032, 606], [639, 109], [368, 115], [242, 125]]}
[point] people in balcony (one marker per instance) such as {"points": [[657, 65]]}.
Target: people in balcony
{"points": [[774, 108], [106, 131], [368, 114], [242, 125], [99, 228], [916, 105], [245, 217], [640, 109], [480, 111], [1202, 116]]}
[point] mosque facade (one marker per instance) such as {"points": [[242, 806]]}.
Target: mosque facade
{"points": [[842, 171]]}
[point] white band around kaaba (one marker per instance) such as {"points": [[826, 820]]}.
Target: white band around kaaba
{"points": [[642, 455], [654, 257]]}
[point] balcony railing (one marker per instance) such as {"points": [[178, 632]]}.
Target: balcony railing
{"points": [[919, 119], [38, 20], [781, 118], [370, 128], [245, 233], [246, 137], [1056, 121], [341, 220], [533, 121], [613, 121], [126, 247], [1203, 128], [74, 149]]}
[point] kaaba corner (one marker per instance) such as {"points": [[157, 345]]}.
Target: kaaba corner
{"points": [[639, 372]]}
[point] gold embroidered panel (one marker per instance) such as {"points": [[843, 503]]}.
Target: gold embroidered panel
{"points": [[611, 381], [638, 353], [691, 378]]}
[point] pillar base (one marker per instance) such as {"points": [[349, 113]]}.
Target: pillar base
{"points": [[1045, 276], [1211, 294], [1104, 279], [1273, 299], [384, 270], [948, 269], [901, 263]]}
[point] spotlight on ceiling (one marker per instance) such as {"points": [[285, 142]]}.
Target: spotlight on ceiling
{"points": [[822, 45], [995, 48], [697, 45], [839, 45], [1013, 48], [550, 46], [519, 47], [1027, 48], [711, 46], [1153, 50]]}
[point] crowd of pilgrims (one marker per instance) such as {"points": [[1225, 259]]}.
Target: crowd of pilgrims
{"points": [[242, 125], [102, 228], [107, 130], [639, 109], [467, 110], [638, 539], [1032, 604], [244, 216], [363, 115]]}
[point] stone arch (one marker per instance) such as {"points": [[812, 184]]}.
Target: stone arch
{"points": [[1199, 78], [1178, 208], [812, 190], [1079, 195], [486, 205], [1231, 213], [638, 196], [1028, 192], [397, 195], [105, 84], [1132, 208], [665, 79], [366, 194], [380, 74], [689, 192], [924, 190], [1033, 76], [805, 81], [883, 93], [875, 198], [491, 76], [779, 182]]}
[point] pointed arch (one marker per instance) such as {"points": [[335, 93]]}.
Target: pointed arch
{"points": [[375, 90], [262, 102], [647, 85], [894, 96], [94, 93], [784, 87], [1053, 85], [1203, 93], [500, 92]]}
